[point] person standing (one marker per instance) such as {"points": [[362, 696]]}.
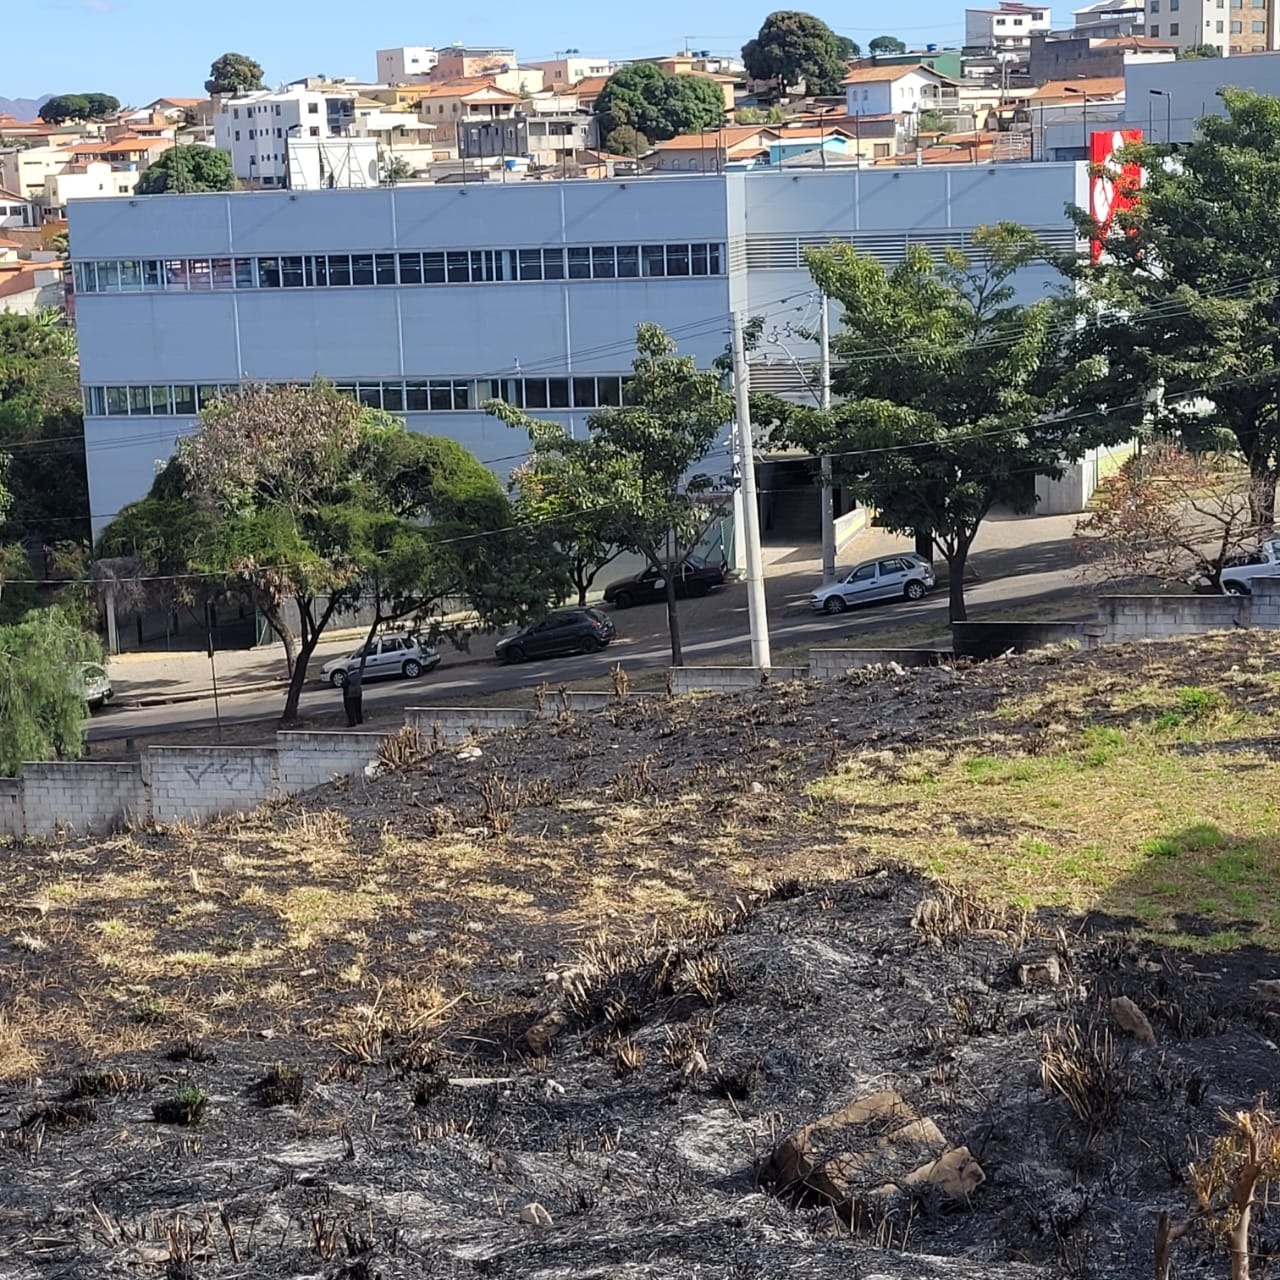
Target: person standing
{"points": [[353, 696]]}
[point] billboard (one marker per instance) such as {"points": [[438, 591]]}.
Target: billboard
{"points": [[1112, 186]]}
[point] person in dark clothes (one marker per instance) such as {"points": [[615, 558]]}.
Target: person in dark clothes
{"points": [[353, 697]]}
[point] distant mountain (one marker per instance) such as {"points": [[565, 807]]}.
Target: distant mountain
{"points": [[22, 108]]}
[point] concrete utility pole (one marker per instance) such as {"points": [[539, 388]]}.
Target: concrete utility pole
{"points": [[750, 508], [824, 403]]}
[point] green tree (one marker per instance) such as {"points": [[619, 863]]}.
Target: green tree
{"points": [[183, 170], [41, 692], [101, 105], [849, 49], [657, 104], [793, 47], [1185, 319], [63, 107], [626, 141], [396, 169], [930, 121], [636, 465], [1200, 51], [952, 389], [233, 73], [887, 44]]}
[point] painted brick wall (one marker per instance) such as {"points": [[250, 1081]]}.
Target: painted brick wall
{"points": [[191, 784], [81, 796], [306, 760]]}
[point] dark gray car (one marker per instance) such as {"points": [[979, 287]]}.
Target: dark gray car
{"points": [[565, 631]]}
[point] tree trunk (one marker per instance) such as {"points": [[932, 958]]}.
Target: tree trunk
{"points": [[956, 561], [275, 620], [299, 677], [1262, 495], [924, 544], [673, 619], [1168, 1233], [1242, 1201]]}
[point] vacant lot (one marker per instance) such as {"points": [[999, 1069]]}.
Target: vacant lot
{"points": [[605, 964]]}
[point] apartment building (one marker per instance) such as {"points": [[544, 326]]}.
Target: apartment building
{"points": [[1008, 27], [408, 64], [256, 129], [428, 300], [563, 71]]}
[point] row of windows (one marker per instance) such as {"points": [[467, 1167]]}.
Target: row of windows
{"points": [[427, 395], [462, 266]]}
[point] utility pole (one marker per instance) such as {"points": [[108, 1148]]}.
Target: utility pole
{"points": [[824, 403], [756, 612]]}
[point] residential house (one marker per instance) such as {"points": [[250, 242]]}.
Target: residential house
{"points": [[1008, 27], [713, 149], [1066, 57], [30, 279], [1111, 18], [557, 130], [474, 99], [255, 128], [406, 65], [587, 90], [17, 211], [878, 91], [563, 71], [400, 135], [183, 110], [461, 62]]}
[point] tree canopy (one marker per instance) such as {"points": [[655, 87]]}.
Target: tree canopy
{"points": [[78, 106], [626, 140], [233, 73], [1185, 315], [952, 389], [183, 170], [656, 104], [636, 467], [792, 47], [1200, 51], [887, 44]]}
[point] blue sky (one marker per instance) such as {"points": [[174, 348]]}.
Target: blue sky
{"points": [[143, 49]]}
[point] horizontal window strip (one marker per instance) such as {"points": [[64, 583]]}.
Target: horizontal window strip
{"points": [[396, 395], [428, 267], [786, 252]]}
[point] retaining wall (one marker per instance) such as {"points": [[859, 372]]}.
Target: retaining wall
{"points": [[728, 679], [305, 760], [453, 724], [830, 664], [192, 784], [990, 639], [82, 796], [1164, 617], [588, 700]]}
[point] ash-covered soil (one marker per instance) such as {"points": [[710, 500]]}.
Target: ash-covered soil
{"points": [[605, 1096]]}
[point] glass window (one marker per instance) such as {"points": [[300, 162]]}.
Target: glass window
{"points": [[339, 269], [207, 395], [175, 274], [246, 277], [553, 264], [415, 396], [131, 275], [198, 274], [370, 393], [97, 402], [160, 400], [462, 395], [677, 259], [362, 268], [530, 264], [139, 400], [393, 397], [223, 277], [109, 277], [609, 391], [269, 273], [558, 393], [85, 277], [653, 258], [1173, 28], [117, 400], [628, 261], [584, 393], [602, 262], [496, 265], [698, 262], [441, 396], [291, 272], [865, 574], [512, 391], [411, 268], [184, 398], [714, 259], [391, 645], [458, 267], [1259, 28], [535, 393], [384, 268], [433, 268], [579, 264], [345, 388]]}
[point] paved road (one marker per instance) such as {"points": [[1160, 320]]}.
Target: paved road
{"points": [[715, 629]]}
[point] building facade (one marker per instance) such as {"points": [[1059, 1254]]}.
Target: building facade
{"points": [[407, 64], [256, 128], [1230, 26], [565, 71], [1008, 27]]}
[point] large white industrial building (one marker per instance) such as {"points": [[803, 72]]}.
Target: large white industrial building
{"points": [[427, 300]]}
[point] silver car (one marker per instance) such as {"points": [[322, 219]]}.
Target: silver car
{"points": [[899, 577], [396, 655], [95, 686]]}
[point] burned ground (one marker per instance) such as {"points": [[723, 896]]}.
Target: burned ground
{"points": [[605, 965]]}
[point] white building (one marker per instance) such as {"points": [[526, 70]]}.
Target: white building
{"points": [[256, 128], [1173, 96], [428, 300], [1007, 27], [17, 211], [566, 70], [897, 90], [409, 64], [1111, 18]]}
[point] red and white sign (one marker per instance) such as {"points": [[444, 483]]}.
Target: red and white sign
{"points": [[1113, 186]]}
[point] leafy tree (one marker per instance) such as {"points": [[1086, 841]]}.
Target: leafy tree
{"points": [[849, 49], [930, 121], [64, 107], [396, 169], [657, 104], [41, 699], [1185, 315], [233, 73], [887, 44], [636, 466], [757, 115], [793, 47], [1201, 51], [183, 170], [951, 389], [626, 141], [101, 104]]}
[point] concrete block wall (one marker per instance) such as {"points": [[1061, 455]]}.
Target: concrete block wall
{"points": [[192, 784], [12, 822], [1166, 617], [589, 700], [729, 679], [455, 724], [305, 760], [1264, 604], [81, 796], [831, 664]]}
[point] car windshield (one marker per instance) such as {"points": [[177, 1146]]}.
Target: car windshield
{"points": [[94, 673]]}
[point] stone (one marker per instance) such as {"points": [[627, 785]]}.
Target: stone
{"points": [[540, 1035], [1045, 971], [534, 1215], [1128, 1017], [955, 1173]]}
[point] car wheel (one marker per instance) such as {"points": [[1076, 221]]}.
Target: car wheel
{"points": [[914, 591], [835, 604], [513, 653], [588, 644], [1235, 589], [338, 679], [623, 600], [412, 669]]}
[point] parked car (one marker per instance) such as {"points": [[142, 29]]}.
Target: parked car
{"points": [[393, 655], [1262, 563], [694, 577], [565, 631], [95, 686], [901, 577]]}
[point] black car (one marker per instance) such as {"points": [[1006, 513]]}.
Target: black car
{"points": [[694, 577], [565, 631]]}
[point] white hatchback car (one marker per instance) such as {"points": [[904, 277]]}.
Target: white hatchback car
{"points": [[398, 655], [901, 577]]}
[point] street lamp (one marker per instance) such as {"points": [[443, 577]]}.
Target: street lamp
{"points": [[1168, 113], [1084, 115]]}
